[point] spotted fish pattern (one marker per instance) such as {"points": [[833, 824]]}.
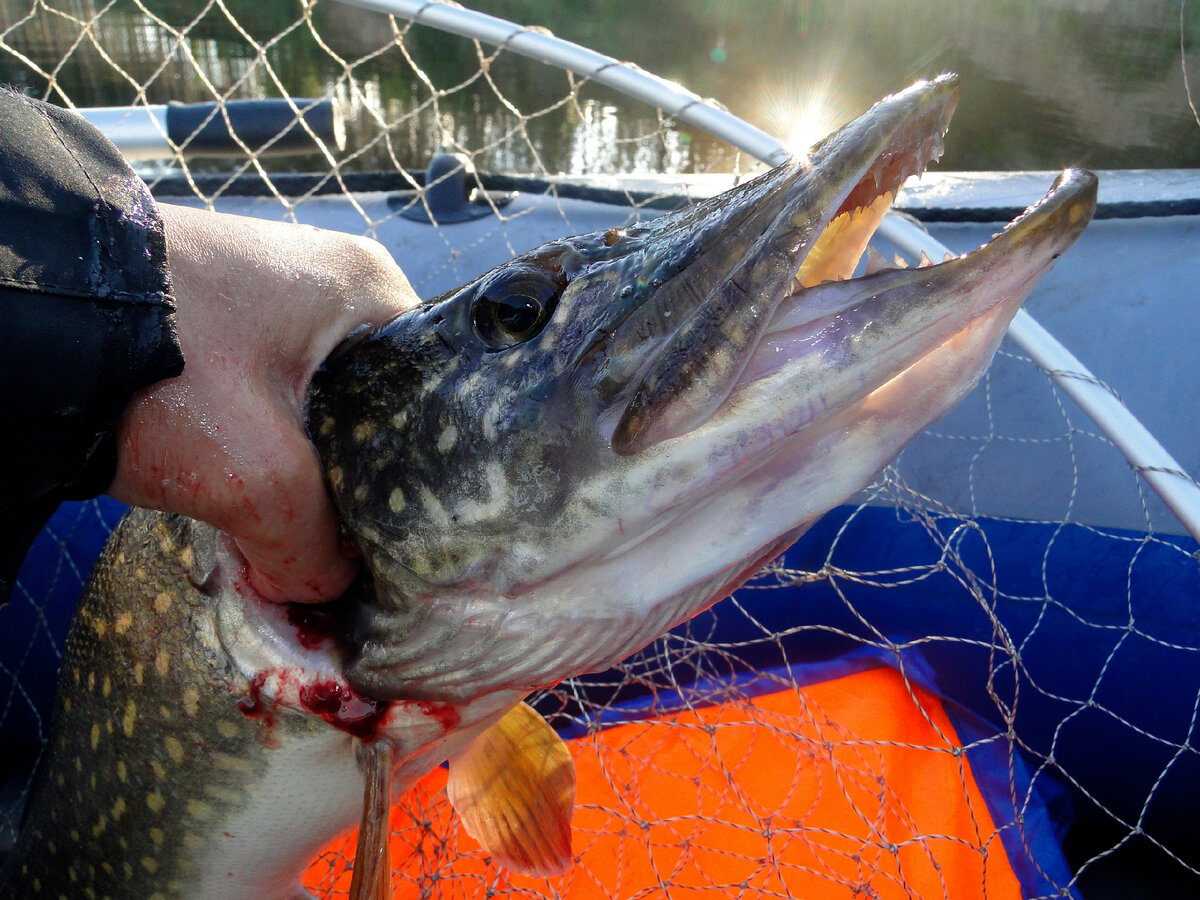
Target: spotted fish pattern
{"points": [[147, 700]]}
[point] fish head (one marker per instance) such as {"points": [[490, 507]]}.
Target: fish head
{"points": [[548, 467]]}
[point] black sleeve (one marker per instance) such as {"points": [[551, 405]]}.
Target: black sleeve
{"points": [[86, 313]]}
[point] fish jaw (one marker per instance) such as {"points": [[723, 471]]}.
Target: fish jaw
{"points": [[289, 661], [551, 466], [806, 222]]}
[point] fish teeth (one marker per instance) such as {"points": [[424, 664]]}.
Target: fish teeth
{"points": [[876, 261], [932, 148]]}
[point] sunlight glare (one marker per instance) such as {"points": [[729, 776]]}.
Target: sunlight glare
{"points": [[802, 113]]}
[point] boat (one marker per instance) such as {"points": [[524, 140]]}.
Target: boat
{"points": [[980, 676]]}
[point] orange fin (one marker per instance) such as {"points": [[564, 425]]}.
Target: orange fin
{"points": [[513, 787], [372, 879]]}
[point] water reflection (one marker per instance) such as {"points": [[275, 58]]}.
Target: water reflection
{"points": [[1095, 82]]}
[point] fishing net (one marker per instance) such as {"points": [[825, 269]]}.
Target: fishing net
{"points": [[979, 678]]}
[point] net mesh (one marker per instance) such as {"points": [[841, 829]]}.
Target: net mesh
{"points": [[906, 705]]}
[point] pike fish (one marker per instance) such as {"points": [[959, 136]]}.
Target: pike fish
{"points": [[544, 469]]}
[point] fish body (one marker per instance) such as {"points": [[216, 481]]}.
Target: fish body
{"points": [[174, 771], [544, 470]]}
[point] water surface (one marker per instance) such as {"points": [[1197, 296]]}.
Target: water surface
{"points": [[1099, 83]]}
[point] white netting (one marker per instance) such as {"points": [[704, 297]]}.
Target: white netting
{"points": [[805, 738]]}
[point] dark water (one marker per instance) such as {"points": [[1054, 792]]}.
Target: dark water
{"points": [[1099, 83]]}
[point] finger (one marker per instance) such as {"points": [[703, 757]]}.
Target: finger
{"points": [[259, 305], [284, 523], [242, 463], [285, 575]]}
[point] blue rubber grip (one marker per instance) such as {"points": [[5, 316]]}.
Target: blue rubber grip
{"points": [[202, 130]]}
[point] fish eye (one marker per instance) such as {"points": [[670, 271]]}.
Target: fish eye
{"points": [[515, 306]]}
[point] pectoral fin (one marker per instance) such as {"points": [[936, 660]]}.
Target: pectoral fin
{"points": [[513, 787], [372, 878]]}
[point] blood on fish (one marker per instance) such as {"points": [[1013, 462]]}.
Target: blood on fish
{"points": [[343, 708], [314, 625], [252, 705], [446, 714], [336, 703], [241, 582]]}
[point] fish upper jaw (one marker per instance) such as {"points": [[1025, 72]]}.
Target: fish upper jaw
{"points": [[805, 222]]}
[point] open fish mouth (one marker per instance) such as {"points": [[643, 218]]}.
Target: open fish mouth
{"points": [[808, 224], [805, 223], [550, 466], [876, 326], [850, 370]]}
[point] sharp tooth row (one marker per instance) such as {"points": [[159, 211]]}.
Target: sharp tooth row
{"points": [[877, 262], [930, 149], [882, 182]]}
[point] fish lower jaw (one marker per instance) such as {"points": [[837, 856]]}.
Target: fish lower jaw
{"points": [[964, 287], [765, 483]]}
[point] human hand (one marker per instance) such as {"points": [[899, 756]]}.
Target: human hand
{"points": [[259, 306]]}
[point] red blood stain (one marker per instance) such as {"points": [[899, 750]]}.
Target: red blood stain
{"points": [[314, 625], [339, 705], [250, 509], [343, 708], [241, 580], [445, 713], [253, 705], [315, 586]]}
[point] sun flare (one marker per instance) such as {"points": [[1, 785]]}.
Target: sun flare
{"points": [[802, 113]]}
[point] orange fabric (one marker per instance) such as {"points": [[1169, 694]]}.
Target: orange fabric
{"points": [[843, 789]]}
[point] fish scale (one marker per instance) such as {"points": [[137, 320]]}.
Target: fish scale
{"points": [[150, 752], [169, 772]]}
